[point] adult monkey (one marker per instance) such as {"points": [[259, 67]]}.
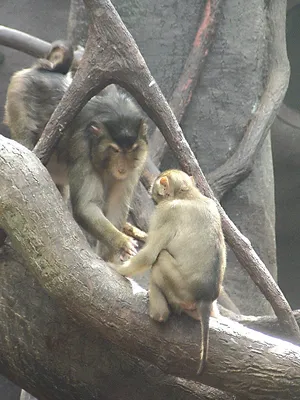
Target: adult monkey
{"points": [[101, 155]]}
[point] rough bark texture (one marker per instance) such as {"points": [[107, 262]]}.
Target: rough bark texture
{"points": [[44, 345], [103, 303]]}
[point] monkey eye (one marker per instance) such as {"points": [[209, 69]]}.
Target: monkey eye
{"points": [[115, 148]]}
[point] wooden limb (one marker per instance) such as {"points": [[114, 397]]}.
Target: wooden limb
{"points": [[266, 324], [28, 312], [102, 302], [189, 78], [240, 164], [111, 55], [135, 232], [25, 43]]}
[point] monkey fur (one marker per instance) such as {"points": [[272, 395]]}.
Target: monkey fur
{"points": [[101, 154], [59, 59], [186, 250]]}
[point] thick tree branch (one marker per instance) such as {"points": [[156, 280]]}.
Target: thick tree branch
{"points": [[57, 254], [27, 311], [189, 78], [23, 42], [240, 164], [106, 59]]}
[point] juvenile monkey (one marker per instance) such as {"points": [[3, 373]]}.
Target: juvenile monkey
{"points": [[101, 155], [186, 250]]}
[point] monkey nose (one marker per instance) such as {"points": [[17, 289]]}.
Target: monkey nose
{"points": [[121, 170]]}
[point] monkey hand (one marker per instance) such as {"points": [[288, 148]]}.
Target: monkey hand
{"points": [[129, 248]]}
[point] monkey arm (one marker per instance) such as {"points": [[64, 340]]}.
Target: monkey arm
{"points": [[158, 239], [87, 197]]}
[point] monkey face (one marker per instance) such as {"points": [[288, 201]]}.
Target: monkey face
{"points": [[117, 157], [122, 161]]}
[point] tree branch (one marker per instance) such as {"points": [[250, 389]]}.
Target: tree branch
{"points": [[28, 44], [265, 324], [58, 255], [106, 59], [240, 164], [27, 311], [23, 42], [189, 78]]}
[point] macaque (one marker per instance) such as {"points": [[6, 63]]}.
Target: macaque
{"points": [[100, 156], [33, 94], [59, 59], [185, 248]]}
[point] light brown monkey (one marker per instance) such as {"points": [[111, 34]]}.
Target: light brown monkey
{"points": [[186, 250], [101, 155]]}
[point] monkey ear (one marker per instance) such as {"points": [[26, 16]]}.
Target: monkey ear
{"points": [[163, 186]]}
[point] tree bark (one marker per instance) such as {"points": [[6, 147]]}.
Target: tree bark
{"points": [[77, 23], [240, 164], [42, 336], [57, 254]]}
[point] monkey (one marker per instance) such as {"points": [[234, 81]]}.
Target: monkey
{"points": [[59, 59], [33, 94], [99, 158], [106, 159], [186, 252]]}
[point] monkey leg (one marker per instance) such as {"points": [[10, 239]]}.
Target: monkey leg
{"points": [[158, 305]]}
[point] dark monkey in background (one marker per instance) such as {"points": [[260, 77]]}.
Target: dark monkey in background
{"points": [[100, 156], [186, 250]]}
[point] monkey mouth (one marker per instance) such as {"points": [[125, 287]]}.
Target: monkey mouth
{"points": [[120, 175]]}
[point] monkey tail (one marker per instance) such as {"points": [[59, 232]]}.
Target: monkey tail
{"points": [[204, 310]]}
